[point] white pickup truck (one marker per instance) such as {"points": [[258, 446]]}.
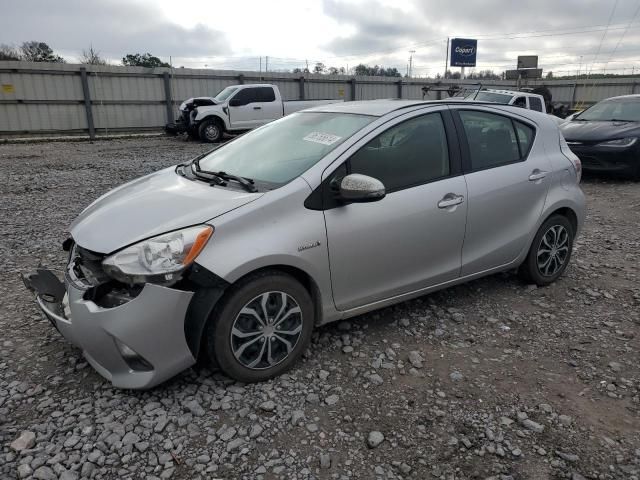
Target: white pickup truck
{"points": [[236, 109]]}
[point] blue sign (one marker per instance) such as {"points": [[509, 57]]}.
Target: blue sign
{"points": [[463, 52]]}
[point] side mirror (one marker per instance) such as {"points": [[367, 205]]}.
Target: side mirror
{"points": [[235, 103], [359, 188]]}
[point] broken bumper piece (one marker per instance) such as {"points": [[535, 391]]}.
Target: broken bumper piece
{"points": [[138, 344]]}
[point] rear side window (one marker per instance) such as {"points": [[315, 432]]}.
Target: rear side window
{"points": [[525, 137], [492, 139], [535, 104], [411, 153], [265, 94]]}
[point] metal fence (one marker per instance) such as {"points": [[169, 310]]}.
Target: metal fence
{"points": [[45, 99]]}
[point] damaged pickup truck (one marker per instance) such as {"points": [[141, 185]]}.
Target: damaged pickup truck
{"points": [[236, 109]]}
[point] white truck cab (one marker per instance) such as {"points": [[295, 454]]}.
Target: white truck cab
{"points": [[530, 101], [239, 108]]}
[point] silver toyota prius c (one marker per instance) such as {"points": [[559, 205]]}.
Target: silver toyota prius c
{"points": [[234, 257]]}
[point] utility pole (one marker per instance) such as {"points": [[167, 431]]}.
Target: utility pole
{"points": [[411, 52], [266, 63], [260, 63], [446, 59]]}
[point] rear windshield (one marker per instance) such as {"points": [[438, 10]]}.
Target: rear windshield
{"points": [[282, 150], [609, 110], [490, 97]]}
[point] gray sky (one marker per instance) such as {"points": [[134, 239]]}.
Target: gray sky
{"points": [[566, 34]]}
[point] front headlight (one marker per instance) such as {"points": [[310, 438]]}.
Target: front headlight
{"points": [[619, 142], [159, 259]]}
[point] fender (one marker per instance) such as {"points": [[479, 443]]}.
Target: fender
{"points": [[216, 111]]}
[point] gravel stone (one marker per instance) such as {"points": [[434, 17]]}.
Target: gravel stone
{"points": [[25, 441], [374, 439]]}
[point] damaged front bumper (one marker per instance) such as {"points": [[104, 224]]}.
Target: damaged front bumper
{"points": [[137, 343]]}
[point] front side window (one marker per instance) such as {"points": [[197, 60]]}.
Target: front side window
{"points": [[520, 102], [410, 153], [492, 139], [282, 150], [246, 96]]}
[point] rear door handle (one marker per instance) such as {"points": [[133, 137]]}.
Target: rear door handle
{"points": [[537, 175], [450, 200], [257, 108]]}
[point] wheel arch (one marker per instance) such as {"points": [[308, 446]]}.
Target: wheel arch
{"points": [[197, 336], [215, 117], [305, 279]]}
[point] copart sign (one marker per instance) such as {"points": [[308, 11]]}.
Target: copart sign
{"points": [[463, 52]]}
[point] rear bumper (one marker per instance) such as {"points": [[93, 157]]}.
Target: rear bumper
{"points": [[151, 325]]}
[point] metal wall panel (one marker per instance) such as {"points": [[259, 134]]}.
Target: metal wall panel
{"points": [[43, 98]]}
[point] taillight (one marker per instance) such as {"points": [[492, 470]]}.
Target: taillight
{"points": [[572, 157]]}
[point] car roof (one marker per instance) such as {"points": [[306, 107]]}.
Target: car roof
{"points": [[379, 108], [621, 97], [376, 108]]}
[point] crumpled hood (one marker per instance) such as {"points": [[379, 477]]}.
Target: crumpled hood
{"points": [[587, 131], [149, 206]]}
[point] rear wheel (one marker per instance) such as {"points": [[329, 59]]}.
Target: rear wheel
{"points": [[210, 130], [262, 326], [550, 251]]}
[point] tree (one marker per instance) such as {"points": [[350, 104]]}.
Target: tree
{"points": [[92, 57], [143, 60], [35, 51], [7, 52], [377, 71], [319, 68], [549, 75]]}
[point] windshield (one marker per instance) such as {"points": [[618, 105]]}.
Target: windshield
{"points": [[490, 97], [224, 94], [608, 110], [282, 150]]}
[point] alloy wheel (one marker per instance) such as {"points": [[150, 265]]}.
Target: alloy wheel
{"points": [[266, 330], [553, 250]]}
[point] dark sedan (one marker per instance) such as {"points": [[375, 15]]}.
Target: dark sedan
{"points": [[606, 136]]}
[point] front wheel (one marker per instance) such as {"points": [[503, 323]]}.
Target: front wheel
{"points": [[550, 251], [210, 131], [262, 326]]}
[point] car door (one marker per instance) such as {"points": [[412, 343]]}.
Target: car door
{"points": [[507, 174], [410, 239], [246, 109]]}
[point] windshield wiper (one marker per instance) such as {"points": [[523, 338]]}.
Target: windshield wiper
{"points": [[619, 120], [219, 178], [247, 183]]}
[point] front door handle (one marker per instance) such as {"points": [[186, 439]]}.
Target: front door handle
{"points": [[450, 200], [257, 108], [537, 175]]}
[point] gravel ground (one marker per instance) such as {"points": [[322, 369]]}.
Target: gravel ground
{"points": [[493, 379]]}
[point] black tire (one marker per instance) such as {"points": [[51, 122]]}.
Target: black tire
{"points": [[210, 130], [540, 267], [227, 317]]}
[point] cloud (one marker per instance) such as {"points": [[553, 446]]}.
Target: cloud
{"points": [[114, 27], [377, 27]]}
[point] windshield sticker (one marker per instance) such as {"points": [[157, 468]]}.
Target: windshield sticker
{"points": [[323, 138]]}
